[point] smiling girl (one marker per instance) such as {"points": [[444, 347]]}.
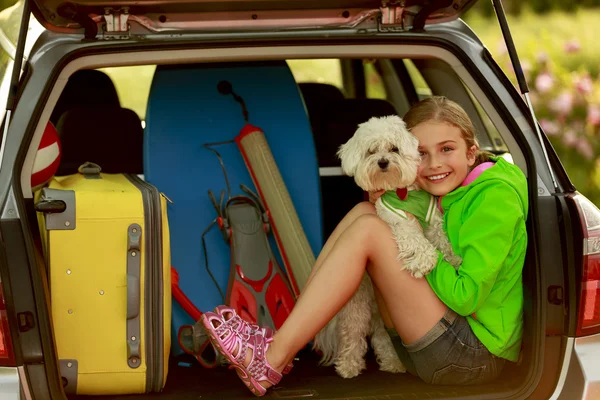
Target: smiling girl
{"points": [[457, 326]]}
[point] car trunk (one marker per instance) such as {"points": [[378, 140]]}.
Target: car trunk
{"points": [[186, 378]]}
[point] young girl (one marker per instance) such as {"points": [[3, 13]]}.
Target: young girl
{"points": [[456, 327]]}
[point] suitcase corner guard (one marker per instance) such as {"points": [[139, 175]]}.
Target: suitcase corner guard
{"points": [[68, 373]]}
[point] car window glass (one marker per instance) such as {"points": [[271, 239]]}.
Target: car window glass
{"points": [[10, 21], [133, 86], [434, 77], [373, 81], [318, 71], [496, 143], [6, 64], [423, 90]]}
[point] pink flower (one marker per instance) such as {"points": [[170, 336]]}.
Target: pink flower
{"points": [[593, 114], [544, 82], [501, 48], [584, 148], [563, 104], [551, 128], [572, 46], [526, 68], [584, 84], [570, 138]]}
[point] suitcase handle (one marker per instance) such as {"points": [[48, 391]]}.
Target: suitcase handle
{"points": [[133, 297], [90, 170], [134, 237]]}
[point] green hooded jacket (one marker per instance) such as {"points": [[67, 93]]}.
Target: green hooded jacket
{"points": [[485, 222]]}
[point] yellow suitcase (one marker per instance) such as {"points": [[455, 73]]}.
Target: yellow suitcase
{"points": [[106, 243]]}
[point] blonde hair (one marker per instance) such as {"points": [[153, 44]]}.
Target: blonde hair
{"points": [[442, 109]]}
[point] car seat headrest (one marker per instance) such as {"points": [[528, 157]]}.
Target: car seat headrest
{"points": [[86, 88], [111, 137], [317, 97], [341, 121]]}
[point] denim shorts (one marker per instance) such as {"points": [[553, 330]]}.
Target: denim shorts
{"points": [[449, 354]]}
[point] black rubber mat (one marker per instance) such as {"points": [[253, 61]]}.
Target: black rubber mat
{"points": [[187, 380]]}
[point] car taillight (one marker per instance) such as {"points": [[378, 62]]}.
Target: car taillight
{"points": [[588, 321], [7, 358]]}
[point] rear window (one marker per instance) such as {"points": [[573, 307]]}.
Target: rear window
{"points": [[317, 71], [133, 86]]}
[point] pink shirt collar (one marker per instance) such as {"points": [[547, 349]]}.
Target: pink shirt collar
{"points": [[474, 174]]}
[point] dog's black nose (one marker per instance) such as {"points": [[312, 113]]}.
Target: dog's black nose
{"points": [[383, 163]]}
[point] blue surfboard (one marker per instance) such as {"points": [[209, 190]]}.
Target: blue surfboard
{"points": [[185, 111]]}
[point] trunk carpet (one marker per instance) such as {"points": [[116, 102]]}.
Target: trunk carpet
{"points": [[307, 380]]}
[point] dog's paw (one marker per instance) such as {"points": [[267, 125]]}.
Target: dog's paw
{"points": [[350, 368], [420, 266], [394, 366], [454, 260]]}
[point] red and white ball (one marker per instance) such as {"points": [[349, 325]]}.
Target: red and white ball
{"points": [[47, 157]]}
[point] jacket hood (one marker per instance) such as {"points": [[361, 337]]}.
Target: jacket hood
{"points": [[501, 171]]}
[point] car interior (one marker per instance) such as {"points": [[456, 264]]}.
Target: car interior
{"points": [[94, 122]]}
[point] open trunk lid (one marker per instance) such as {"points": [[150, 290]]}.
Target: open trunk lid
{"points": [[170, 16]]}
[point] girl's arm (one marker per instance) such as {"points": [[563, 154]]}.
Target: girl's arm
{"points": [[485, 241]]}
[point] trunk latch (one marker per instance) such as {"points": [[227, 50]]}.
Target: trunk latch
{"points": [[391, 17], [398, 16], [116, 26]]}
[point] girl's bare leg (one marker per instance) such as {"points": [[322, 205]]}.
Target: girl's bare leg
{"points": [[358, 210], [385, 315], [414, 308]]}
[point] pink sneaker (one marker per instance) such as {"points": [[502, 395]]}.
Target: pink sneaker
{"points": [[238, 323], [234, 344]]}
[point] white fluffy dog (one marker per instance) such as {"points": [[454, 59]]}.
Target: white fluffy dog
{"points": [[382, 154]]}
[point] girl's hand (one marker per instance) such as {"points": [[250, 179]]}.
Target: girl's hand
{"points": [[373, 196]]}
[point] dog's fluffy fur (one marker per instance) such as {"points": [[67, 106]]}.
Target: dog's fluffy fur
{"points": [[382, 154]]}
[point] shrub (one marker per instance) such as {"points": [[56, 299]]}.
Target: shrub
{"points": [[567, 106]]}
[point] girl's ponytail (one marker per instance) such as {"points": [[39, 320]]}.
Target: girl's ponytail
{"points": [[481, 156]]}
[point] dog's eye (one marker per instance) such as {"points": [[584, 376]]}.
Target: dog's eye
{"points": [[371, 152], [394, 149]]}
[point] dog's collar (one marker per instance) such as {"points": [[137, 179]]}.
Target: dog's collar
{"points": [[402, 193]]}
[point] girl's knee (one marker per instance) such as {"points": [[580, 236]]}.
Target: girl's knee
{"points": [[364, 207], [370, 225]]}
